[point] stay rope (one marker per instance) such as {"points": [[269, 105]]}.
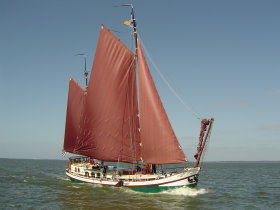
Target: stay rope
{"points": [[167, 83]]}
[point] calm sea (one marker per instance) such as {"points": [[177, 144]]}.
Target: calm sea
{"points": [[41, 184]]}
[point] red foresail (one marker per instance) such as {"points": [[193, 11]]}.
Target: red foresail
{"points": [[159, 143], [109, 125], [73, 115]]}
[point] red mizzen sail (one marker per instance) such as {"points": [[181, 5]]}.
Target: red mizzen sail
{"points": [[109, 125], [73, 115], [159, 143]]}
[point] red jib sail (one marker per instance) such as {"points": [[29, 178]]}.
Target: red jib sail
{"points": [[109, 125], [73, 115], [159, 143]]}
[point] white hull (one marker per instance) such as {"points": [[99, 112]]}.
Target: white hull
{"points": [[176, 179]]}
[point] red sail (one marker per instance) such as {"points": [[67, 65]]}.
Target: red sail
{"points": [[109, 123], [73, 115], [159, 143]]}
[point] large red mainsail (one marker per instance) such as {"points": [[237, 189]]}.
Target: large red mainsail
{"points": [[109, 124], [73, 115], [159, 143], [104, 123]]}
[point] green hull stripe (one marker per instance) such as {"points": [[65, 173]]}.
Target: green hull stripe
{"points": [[156, 189], [75, 180]]}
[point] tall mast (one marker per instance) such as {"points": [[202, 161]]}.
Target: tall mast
{"points": [[133, 21]]}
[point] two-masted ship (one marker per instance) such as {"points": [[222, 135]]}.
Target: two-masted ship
{"points": [[119, 117]]}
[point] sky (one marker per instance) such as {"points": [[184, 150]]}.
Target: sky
{"points": [[221, 56]]}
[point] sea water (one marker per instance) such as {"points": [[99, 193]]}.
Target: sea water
{"points": [[42, 184]]}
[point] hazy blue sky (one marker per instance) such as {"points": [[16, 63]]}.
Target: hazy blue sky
{"points": [[221, 56]]}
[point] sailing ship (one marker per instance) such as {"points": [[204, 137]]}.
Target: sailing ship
{"points": [[119, 118]]}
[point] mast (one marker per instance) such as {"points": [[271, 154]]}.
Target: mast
{"points": [[133, 136], [134, 29], [132, 24], [85, 71]]}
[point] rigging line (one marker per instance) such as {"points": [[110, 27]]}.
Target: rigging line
{"points": [[168, 84]]}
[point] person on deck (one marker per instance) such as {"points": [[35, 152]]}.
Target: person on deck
{"points": [[154, 168]]}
